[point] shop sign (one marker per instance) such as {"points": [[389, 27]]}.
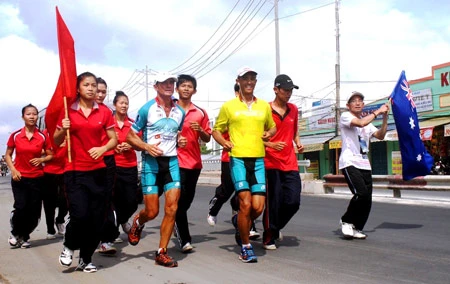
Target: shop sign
{"points": [[423, 100], [322, 121], [369, 109], [396, 162], [447, 130], [335, 144], [312, 147], [426, 133]]}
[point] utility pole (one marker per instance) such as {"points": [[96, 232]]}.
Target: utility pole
{"points": [[337, 71], [146, 72], [338, 83], [277, 40]]}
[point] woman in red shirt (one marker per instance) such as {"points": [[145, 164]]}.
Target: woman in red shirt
{"points": [[26, 176], [126, 187], [85, 177]]}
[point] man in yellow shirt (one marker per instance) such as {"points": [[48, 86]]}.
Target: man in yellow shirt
{"points": [[249, 123]]}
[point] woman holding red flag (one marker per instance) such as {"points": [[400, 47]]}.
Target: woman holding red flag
{"points": [[85, 177]]}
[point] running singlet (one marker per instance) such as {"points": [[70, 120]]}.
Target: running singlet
{"points": [[156, 127]]}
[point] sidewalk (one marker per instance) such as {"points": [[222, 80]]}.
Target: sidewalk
{"points": [[415, 197]]}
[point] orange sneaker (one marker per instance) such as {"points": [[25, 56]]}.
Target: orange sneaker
{"points": [[134, 235], [164, 259]]}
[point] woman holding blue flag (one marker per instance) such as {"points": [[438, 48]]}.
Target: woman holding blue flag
{"points": [[356, 132]]}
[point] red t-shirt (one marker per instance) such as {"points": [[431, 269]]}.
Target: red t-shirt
{"points": [[27, 149], [287, 128], [86, 133], [105, 138], [189, 157], [55, 165], [225, 154], [128, 158]]}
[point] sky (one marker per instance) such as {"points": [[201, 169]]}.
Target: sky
{"points": [[211, 40]]}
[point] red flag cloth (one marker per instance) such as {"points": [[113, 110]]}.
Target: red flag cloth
{"points": [[67, 82]]}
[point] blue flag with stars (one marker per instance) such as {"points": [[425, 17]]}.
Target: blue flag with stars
{"points": [[416, 161]]}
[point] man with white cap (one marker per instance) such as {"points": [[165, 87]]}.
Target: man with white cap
{"points": [[356, 132], [160, 121], [283, 178], [249, 123]]}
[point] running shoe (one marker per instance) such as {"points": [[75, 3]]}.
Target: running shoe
{"points": [[65, 259], [88, 268], [357, 234], [253, 234], [247, 254], [61, 228], [135, 232], [347, 230], [107, 249], [25, 245], [211, 220], [162, 258], [118, 240], [126, 227], [270, 245], [187, 248], [15, 241], [50, 236]]}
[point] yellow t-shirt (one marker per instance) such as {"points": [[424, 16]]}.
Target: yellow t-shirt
{"points": [[246, 126]]}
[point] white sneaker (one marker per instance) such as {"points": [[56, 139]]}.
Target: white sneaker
{"points": [[347, 229], [280, 237], [253, 234], [187, 247], [126, 227], [65, 259], [357, 234], [50, 236], [88, 268], [14, 241], [107, 249], [25, 245], [118, 240], [61, 228], [211, 220]]}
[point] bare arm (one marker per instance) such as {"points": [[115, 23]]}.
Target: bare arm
{"points": [[361, 122], [136, 142], [15, 174], [227, 145]]}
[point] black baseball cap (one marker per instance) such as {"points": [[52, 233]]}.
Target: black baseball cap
{"points": [[285, 82]]}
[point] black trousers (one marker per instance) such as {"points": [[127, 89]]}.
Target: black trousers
{"points": [[188, 179], [224, 191], [360, 184], [27, 206], [86, 194], [282, 199], [109, 230], [53, 196], [125, 198]]}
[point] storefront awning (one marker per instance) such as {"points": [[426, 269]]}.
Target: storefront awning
{"points": [[426, 129], [313, 143]]}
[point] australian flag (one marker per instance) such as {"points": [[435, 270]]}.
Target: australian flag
{"points": [[416, 161]]}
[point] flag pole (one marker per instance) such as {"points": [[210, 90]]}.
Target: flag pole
{"points": [[66, 112]]}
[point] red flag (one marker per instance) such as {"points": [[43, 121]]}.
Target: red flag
{"points": [[67, 82]]}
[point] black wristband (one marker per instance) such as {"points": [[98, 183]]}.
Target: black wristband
{"points": [[374, 115]]}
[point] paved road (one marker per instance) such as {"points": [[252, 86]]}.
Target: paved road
{"points": [[407, 243]]}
